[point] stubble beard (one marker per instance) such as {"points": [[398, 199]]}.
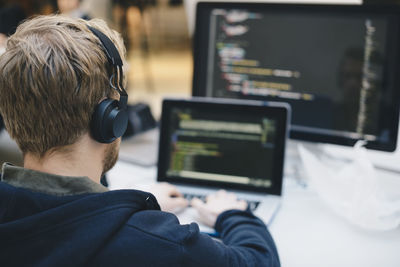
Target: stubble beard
{"points": [[111, 155]]}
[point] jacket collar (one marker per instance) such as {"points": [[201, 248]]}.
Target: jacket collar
{"points": [[48, 183]]}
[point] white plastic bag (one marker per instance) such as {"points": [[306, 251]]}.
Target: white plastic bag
{"points": [[350, 187]]}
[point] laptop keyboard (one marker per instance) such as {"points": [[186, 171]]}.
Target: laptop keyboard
{"points": [[252, 204]]}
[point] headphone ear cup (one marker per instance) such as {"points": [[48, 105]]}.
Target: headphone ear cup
{"points": [[108, 121]]}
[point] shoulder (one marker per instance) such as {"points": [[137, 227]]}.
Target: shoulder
{"points": [[162, 225], [147, 238]]}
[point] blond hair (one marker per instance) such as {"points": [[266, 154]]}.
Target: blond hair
{"points": [[52, 75]]}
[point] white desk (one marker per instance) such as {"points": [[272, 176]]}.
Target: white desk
{"points": [[306, 232]]}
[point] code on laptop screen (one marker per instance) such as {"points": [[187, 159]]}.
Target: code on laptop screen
{"points": [[221, 147]]}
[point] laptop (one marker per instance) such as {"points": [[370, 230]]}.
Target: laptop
{"points": [[207, 144]]}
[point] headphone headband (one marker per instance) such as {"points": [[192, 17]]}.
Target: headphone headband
{"points": [[109, 48], [110, 118], [114, 59]]}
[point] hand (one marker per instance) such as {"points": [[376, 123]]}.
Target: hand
{"points": [[216, 204], [168, 197]]}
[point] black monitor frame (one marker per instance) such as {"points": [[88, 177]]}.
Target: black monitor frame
{"points": [[391, 66]]}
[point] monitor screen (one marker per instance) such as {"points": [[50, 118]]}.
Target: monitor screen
{"points": [[335, 65], [241, 146]]}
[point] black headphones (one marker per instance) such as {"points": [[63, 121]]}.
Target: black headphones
{"points": [[110, 117]]}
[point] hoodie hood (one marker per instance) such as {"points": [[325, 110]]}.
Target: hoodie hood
{"points": [[64, 228]]}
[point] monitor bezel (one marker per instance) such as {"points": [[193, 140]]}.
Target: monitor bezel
{"points": [[278, 111], [391, 66]]}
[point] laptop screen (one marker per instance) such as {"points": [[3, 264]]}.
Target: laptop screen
{"points": [[230, 145]]}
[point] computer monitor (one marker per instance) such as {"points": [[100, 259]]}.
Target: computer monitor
{"points": [[336, 65]]}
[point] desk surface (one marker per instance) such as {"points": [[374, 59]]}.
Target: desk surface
{"points": [[306, 231]]}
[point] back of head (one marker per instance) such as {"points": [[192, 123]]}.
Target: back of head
{"points": [[52, 75]]}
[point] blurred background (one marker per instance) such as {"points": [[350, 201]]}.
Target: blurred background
{"points": [[155, 33]]}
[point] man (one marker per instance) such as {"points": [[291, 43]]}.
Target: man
{"points": [[72, 9], [53, 211]]}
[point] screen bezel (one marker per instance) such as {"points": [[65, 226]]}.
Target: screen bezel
{"points": [[279, 112], [391, 67]]}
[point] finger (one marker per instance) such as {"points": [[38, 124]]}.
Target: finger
{"points": [[179, 202], [243, 204], [197, 203], [200, 206], [210, 197], [231, 196], [172, 190], [205, 215], [221, 192], [215, 195]]}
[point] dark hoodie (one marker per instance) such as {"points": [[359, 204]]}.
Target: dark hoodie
{"points": [[49, 220]]}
